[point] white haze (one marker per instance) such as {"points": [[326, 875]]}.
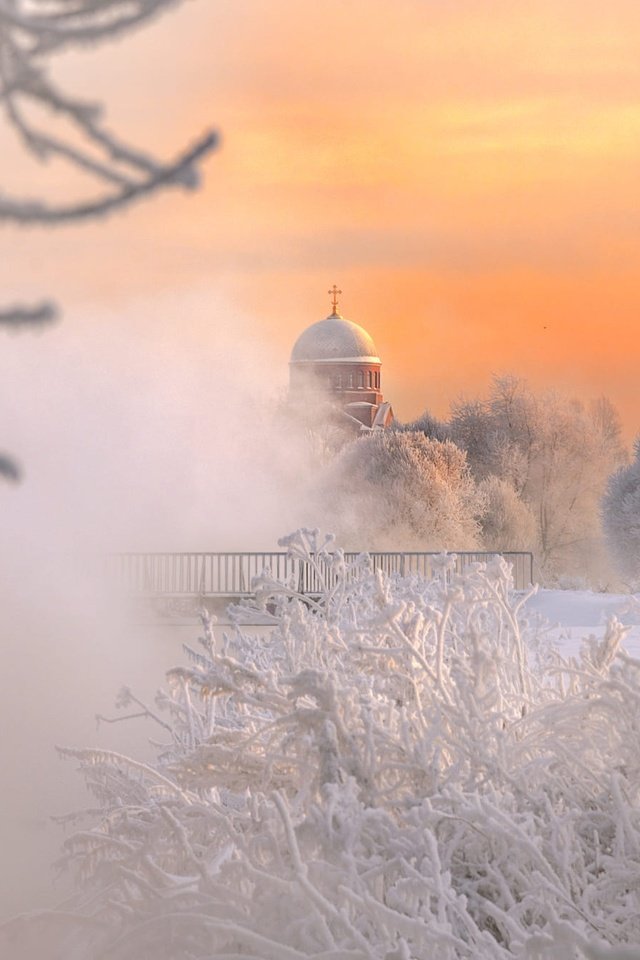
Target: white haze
{"points": [[147, 428], [151, 427]]}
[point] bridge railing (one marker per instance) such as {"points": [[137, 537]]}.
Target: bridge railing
{"points": [[232, 574]]}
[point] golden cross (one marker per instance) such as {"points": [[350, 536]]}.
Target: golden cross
{"points": [[334, 293]]}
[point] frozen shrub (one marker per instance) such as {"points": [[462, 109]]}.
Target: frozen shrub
{"points": [[402, 491], [395, 772]]}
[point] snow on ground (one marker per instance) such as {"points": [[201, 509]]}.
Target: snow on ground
{"points": [[570, 616], [567, 616]]}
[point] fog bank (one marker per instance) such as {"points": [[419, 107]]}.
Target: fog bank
{"points": [[143, 429]]}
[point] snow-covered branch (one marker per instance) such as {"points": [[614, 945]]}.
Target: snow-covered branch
{"points": [[179, 171], [30, 32]]}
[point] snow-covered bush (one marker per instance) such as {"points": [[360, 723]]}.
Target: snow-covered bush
{"points": [[621, 518], [401, 491], [395, 772]]}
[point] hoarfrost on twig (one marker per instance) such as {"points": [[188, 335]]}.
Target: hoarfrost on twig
{"points": [[31, 31]]}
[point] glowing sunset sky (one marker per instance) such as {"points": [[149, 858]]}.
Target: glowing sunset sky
{"points": [[468, 172]]}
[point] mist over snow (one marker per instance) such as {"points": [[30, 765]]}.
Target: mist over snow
{"points": [[147, 428], [142, 428], [164, 428]]}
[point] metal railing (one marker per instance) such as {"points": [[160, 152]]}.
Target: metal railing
{"points": [[232, 574]]}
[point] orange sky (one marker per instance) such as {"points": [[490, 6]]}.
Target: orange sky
{"points": [[465, 170]]}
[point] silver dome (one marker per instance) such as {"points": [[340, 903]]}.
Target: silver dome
{"points": [[334, 339]]}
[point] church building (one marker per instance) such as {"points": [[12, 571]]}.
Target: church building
{"points": [[335, 360]]}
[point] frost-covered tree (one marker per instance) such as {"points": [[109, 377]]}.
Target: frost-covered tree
{"points": [[426, 423], [621, 517], [54, 124], [557, 455], [508, 522], [396, 772], [393, 490]]}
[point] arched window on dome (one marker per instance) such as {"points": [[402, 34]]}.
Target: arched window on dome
{"points": [[338, 381], [369, 380], [351, 381], [362, 379]]}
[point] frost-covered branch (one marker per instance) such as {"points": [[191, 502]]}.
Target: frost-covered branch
{"points": [[53, 125], [31, 31], [36, 212]]}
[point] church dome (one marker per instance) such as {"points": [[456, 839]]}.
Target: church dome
{"points": [[334, 339]]}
